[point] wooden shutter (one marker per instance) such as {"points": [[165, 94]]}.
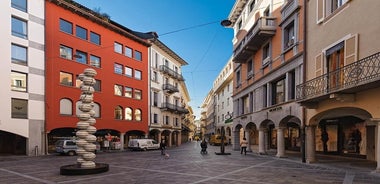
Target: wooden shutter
{"points": [[319, 65], [320, 11], [351, 49]]}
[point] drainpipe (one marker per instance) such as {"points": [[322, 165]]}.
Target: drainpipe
{"points": [[303, 134]]}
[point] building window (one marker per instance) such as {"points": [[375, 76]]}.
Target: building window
{"points": [[137, 74], [95, 38], [81, 32], [289, 38], [155, 118], [118, 48], [20, 5], [265, 96], [65, 26], [252, 5], [66, 52], [118, 112], [278, 91], [155, 99], [138, 55], [249, 69], [118, 69], [118, 90], [154, 76], [19, 108], [18, 81], [19, 28], [128, 113], [66, 78], [138, 115], [96, 108], [98, 85], [19, 54], [128, 71], [167, 120], [128, 92], [95, 61], [65, 107], [81, 57], [266, 54], [138, 94], [238, 78], [128, 52]]}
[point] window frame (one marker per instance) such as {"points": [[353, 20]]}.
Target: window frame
{"points": [[23, 87], [137, 55], [138, 74], [95, 38], [118, 90], [61, 73], [95, 63], [63, 49], [16, 4], [118, 68], [19, 60], [15, 26], [16, 111], [80, 57], [62, 26], [118, 47], [79, 29]]}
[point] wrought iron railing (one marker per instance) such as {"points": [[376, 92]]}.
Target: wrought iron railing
{"points": [[170, 88], [361, 72], [171, 72], [174, 108]]}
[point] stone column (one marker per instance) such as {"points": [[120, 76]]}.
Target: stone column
{"points": [[179, 141], [310, 144], [262, 150], [280, 142], [122, 140], [376, 121], [266, 140], [170, 139], [248, 137], [236, 143]]}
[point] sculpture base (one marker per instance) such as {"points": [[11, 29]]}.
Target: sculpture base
{"points": [[75, 169], [222, 153]]}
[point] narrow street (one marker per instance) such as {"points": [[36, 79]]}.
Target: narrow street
{"points": [[187, 165]]}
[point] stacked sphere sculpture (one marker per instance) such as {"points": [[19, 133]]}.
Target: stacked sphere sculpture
{"points": [[85, 126]]}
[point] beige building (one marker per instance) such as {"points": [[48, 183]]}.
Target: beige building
{"points": [[168, 94], [268, 58], [341, 88], [222, 92]]}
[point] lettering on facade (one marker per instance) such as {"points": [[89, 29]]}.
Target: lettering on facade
{"points": [[275, 109]]}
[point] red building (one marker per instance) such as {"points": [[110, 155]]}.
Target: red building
{"points": [[79, 38]]}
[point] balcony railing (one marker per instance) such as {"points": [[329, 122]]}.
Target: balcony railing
{"points": [[172, 73], [357, 76], [170, 88], [173, 108], [261, 31]]}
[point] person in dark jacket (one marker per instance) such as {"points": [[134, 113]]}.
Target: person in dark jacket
{"points": [[163, 147], [204, 146]]}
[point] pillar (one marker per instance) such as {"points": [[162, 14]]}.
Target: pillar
{"points": [[377, 122], [170, 139], [280, 142], [248, 137], [179, 142], [262, 150], [236, 140], [122, 140], [310, 144]]}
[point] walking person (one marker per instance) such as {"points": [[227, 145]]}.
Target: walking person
{"points": [[163, 146], [243, 145]]}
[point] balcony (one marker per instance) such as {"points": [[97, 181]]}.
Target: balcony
{"points": [[263, 29], [358, 76], [170, 72], [170, 88], [173, 108]]}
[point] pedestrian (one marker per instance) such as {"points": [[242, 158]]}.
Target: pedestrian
{"points": [[243, 145], [163, 147]]}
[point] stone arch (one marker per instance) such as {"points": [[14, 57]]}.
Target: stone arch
{"points": [[237, 136], [252, 136], [291, 126]]}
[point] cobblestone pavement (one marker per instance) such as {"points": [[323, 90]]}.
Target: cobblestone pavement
{"points": [[187, 165]]}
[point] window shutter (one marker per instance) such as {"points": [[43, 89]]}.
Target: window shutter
{"points": [[320, 11], [351, 49], [319, 65]]}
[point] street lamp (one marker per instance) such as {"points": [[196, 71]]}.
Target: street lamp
{"points": [[223, 133]]}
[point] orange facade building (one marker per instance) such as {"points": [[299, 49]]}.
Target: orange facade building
{"points": [[78, 38]]}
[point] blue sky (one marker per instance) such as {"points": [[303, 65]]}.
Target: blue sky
{"points": [[191, 28]]}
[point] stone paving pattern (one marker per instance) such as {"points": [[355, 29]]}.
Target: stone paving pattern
{"points": [[187, 165]]}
